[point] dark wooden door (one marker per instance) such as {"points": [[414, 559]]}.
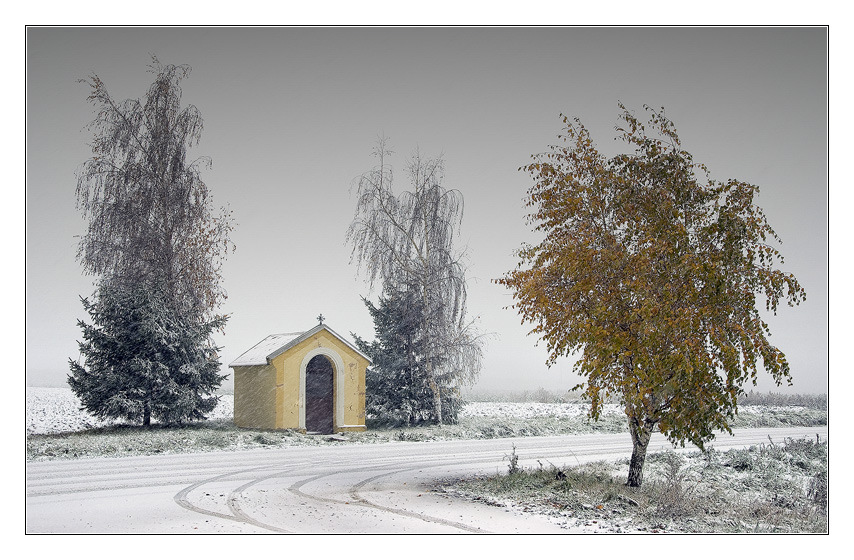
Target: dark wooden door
{"points": [[318, 395]]}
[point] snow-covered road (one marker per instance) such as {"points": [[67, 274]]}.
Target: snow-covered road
{"points": [[382, 488]]}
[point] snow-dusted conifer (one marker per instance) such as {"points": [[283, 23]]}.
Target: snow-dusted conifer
{"points": [[397, 387], [140, 360]]}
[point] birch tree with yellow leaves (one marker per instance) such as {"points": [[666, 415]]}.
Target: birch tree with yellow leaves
{"points": [[652, 273]]}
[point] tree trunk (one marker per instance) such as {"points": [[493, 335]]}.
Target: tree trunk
{"points": [[641, 432], [437, 399], [431, 381], [146, 414]]}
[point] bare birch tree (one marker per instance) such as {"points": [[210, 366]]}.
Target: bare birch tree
{"points": [[405, 242], [150, 214]]}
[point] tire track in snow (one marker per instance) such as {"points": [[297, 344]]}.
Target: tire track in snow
{"points": [[354, 492], [233, 502], [359, 500], [233, 499]]}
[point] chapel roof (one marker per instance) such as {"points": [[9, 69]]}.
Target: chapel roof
{"points": [[275, 344]]}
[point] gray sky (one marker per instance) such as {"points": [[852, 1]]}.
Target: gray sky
{"points": [[291, 116]]}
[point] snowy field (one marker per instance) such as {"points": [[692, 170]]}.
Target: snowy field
{"points": [[54, 410], [532, 409]]}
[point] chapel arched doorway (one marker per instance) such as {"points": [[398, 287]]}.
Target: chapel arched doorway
{"points": [[319, 388]]}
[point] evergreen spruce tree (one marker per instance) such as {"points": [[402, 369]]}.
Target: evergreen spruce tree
{"points": [[398, 391], [142, 360]]}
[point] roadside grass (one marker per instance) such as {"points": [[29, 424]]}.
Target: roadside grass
{"points": [[221, 434], [778, 416], [770, 488], [125, 440]]}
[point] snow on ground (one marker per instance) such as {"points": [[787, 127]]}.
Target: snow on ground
{"points": [[532, 409], [53, 410]]}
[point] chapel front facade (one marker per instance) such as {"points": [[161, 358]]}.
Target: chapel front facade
{"points": [[311, 381]]}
